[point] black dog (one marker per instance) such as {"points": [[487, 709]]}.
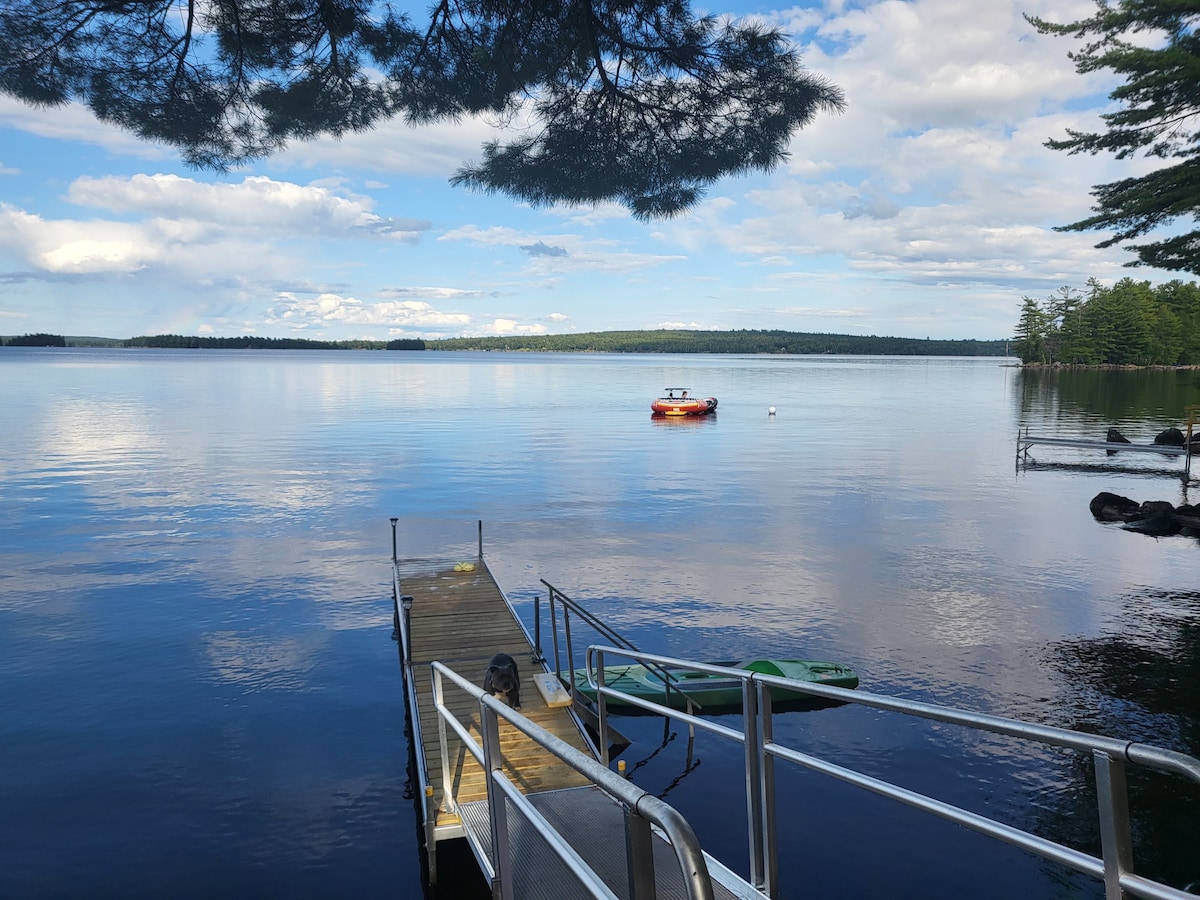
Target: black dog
{"points": [[501, 680]]}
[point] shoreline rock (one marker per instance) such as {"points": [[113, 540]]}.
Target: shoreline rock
{"points": [[1159, 518]]}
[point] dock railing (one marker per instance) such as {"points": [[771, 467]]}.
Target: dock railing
{"points": [[1111, 757], [556, 600], [642, 809]]}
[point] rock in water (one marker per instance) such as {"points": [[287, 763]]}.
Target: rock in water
{"points": [[1172, 437], [1108, 507]]}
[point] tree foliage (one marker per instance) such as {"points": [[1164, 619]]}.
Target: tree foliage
{"points": [[41, 339], [662, 341], [1157, 114], [637, 101], [1130, 323], [250, 342], [741, 341]]}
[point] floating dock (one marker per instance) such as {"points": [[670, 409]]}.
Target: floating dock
{"points": [[459, 616]]}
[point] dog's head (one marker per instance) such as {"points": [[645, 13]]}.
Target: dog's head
{"points": [[501, 679]]}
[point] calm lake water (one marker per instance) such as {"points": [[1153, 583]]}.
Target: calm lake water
{"points": [[199, 694]]}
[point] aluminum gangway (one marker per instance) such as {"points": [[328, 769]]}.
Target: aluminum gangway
{"points": [[1111, 758], [607, 839]]}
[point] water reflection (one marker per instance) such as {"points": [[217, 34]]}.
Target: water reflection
{"points": [[1139, 679], [193, 584], [1138, 398]]}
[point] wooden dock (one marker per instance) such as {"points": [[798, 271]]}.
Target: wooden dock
{"points": [[460, 617]]}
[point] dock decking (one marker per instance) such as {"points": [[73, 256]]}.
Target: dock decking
{"points": [[461, 618]]}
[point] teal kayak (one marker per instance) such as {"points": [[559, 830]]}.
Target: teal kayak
{"points": [[711, 691]]}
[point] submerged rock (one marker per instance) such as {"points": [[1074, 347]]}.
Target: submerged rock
{"points": [[1172, 437], [1108, 507]]}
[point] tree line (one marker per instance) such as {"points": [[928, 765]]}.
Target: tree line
{"points": [[1129, 324], [40, 339], [743, 341], [661, 341], [254, 342]]}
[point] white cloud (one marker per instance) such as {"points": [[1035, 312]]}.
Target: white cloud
{"points": [[324, 309], [502, 327], [255, 203], [76, 123]]}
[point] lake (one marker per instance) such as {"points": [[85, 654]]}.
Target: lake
{"points": [[201, 695]]}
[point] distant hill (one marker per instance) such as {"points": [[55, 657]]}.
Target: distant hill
{"points": [[661, 341]]}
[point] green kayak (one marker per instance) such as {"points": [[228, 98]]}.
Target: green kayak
{"points": [[716, 691]]}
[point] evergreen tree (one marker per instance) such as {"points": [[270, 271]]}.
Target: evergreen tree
{"points": [[1029, 339], [637, 101], [1157, 107], [1183, 300]]}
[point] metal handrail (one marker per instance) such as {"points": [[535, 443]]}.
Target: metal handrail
{"points": [[642, 808], [1114, 868], [401, 607], [601, 629]]}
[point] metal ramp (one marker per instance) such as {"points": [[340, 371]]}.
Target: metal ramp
{"points": [[594, 825], [610, 839]]}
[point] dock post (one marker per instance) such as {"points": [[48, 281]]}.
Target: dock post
{"points": [[481, 538], [395, 519]]}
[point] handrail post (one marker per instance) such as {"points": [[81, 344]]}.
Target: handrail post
{"points": [[554, 636], [750, 750], [640, 856], [570, 648], [537, 629], [1116, 840], [439, 699], [601, 705], [497, 808], [766, 773], [394, 520]]}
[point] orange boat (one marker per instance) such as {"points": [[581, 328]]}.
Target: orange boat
{"points": [[682, 405]]}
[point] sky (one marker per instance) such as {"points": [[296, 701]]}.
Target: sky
{"points": [[924, 210]]}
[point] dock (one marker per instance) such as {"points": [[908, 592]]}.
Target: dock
{"points": [[526, 789], [459, 617], [533, 794], [1027, 440]]}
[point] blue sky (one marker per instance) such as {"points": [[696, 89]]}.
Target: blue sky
{"points": [[925, 210]]}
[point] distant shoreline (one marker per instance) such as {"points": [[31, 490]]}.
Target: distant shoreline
{"points": [[766, 343]]}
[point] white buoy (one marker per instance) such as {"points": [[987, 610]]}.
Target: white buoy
{"points": [[770, 410]]}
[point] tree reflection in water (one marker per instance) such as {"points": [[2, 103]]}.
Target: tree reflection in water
{"points": [[1141, 682]]}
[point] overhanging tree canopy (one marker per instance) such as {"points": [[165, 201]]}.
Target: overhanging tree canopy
{"points": [[637, 101], [1158, 114]]}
